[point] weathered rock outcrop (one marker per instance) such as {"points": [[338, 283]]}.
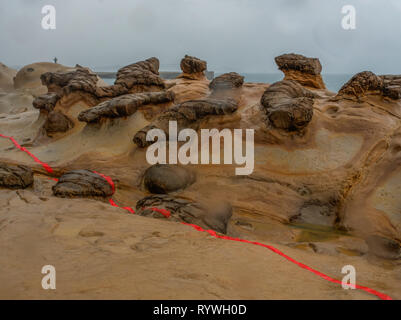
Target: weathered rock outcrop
{"points": [[227, 81], [192, 68], [6, 77], [57, 122], [214, 215], [15, 176], [302, 69], [187, 114], [46, 102], [82, 183], [165, 178], [124, 106], [368, 83], [288, 105]]}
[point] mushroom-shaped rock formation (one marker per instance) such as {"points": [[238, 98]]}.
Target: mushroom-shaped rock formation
{"points": [[302, 69], [288, 105], [192, 68], [124, 105], [368, 83], [165, 178], [82, 183], [15, 176], [186, 114], [214, 215], [361, 84]]}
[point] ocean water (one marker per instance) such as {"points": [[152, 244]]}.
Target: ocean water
{"points": [[333, 81]]}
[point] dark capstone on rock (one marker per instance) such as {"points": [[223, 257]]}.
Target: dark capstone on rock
{"points": [[227, 81], [165, 178], [214, 215], [362, 83], [15, 176], [288, 105], [46, 102], [192, 65], [186, 114], [82, 183], [124, 106], [297, 62]]}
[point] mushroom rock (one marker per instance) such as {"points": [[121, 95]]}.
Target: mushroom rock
{"points": [[15, 176], [288, 105], [6, 77], [82, 183], [142, 76], [362, 83], [165, 178], [192, 68], [186, 114], [124, 105], [57, 122], [302, 69], [213, 215]]}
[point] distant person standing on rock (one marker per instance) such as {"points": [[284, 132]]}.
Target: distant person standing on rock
{"points": [[55, 60]]}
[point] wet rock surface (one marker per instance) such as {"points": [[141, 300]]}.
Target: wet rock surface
{"points": [[214, 215], [288, 105], [164, 178], [124, 106], [186, 114], [82, 183], [15, 176], [304, 70]]}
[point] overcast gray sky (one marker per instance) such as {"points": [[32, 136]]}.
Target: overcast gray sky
{"points": [[232, 35]]}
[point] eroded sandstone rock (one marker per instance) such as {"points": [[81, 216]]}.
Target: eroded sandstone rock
{"points": [[214, 215], [57, 122], [15, 176], [227, 81], [186, 114], [304, 70], [192, 68], [165, 178], [46, 102], [384, 247], [288, 105], [362, 83], [82, 183], [124, 105]]}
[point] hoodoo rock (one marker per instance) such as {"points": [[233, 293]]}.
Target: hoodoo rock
{"points": [[187, 114], [288, 105], [192, 68], [302, 69], [82, 183], [214, 215], [361, 84], [165, 178], [124, 106], [368, 83], [15, 176]]}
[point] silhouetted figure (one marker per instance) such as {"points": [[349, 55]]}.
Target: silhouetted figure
{"points": [[55, 60]]}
